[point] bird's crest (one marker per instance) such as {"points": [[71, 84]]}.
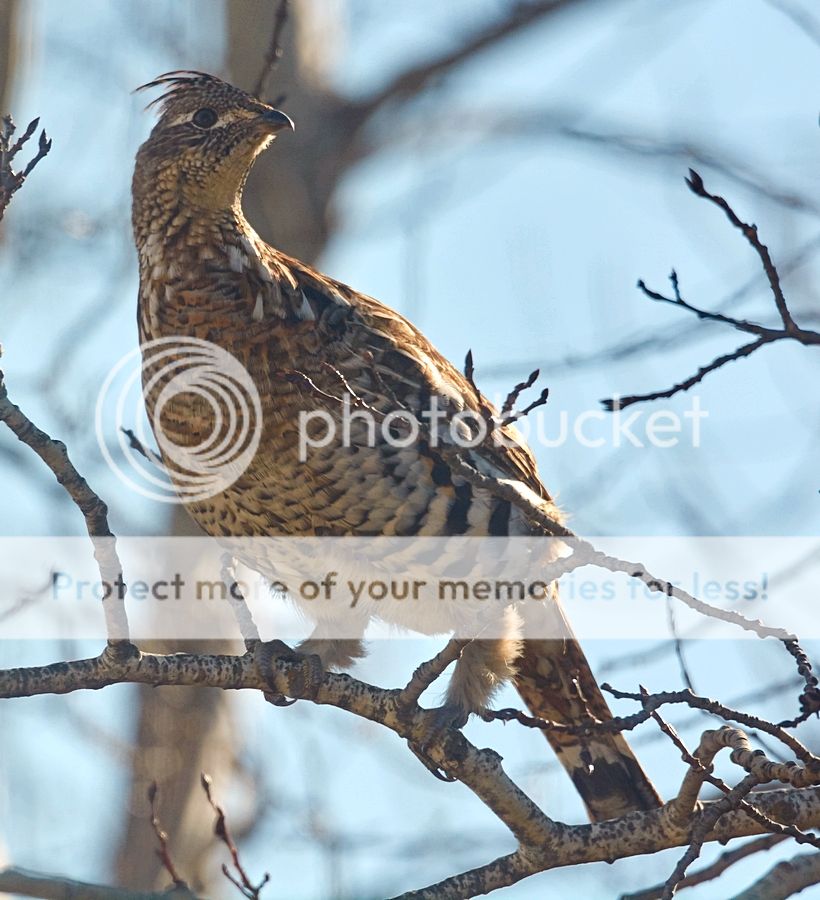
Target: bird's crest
{"points": [[182, 81]]}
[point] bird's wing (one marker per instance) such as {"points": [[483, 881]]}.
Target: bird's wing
{"points": [[378, 337]]}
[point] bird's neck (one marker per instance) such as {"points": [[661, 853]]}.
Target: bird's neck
{"points": [[167, 228], [171, 215]]}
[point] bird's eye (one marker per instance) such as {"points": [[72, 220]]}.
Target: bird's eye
{"points": [[205, 118]]}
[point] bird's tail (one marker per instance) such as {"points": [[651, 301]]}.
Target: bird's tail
{"points": [[555, 681]]}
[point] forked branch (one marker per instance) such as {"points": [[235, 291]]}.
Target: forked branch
{"points": [[10, 180], [788, 329]]}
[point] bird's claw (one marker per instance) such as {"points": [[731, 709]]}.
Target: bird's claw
{"points": [[421, 755], [439, 721], [304, 677]]}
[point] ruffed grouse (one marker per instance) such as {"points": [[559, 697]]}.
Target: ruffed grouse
{"points": [[205, 273]]}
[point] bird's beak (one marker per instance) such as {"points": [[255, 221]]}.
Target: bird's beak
{"points": [[276, 121]]}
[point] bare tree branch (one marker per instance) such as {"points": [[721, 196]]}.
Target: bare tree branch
{"points": [[608, 137], [799, 17], [162, 850], [546, 844], [274, 53], [787, 878], [95, 512], [789, 331], [241, 880], [715, 869], [616, 403], [407, 84], [11, 181], [23, 883], [697, 187], [429, 671], [650, 342], [702, 828], [653, 701]]}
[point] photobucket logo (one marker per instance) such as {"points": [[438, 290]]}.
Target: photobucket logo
{"points": [[440, 425], [204, 413]]}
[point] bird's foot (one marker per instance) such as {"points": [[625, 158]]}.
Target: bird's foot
{"points": [[438, 722], [303, 678]]}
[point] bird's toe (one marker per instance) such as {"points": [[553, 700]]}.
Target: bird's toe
{"points": [[304, 674]]}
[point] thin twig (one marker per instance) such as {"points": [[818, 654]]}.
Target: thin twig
{"points": [[11, 181], [810, 696], [162, 839], [697, 187], [484, 408], [678, 645], [699, 833], [239, 605], [616, 403], [657, 699], [274, 52], [678, 300], [242, 882], [512, 398], [136, 444], [789, 330], [427, 672], [715, 869]]}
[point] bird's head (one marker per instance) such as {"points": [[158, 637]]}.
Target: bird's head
{"points": [[207, 137]]}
